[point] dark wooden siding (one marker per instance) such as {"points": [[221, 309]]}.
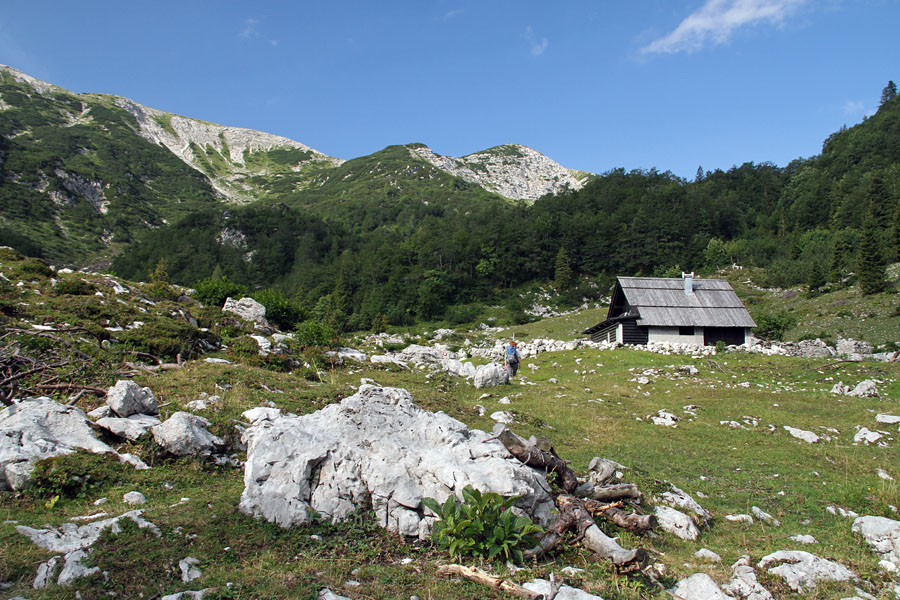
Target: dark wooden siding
{"points": [[607, 334], [632, 334], [732, 336]]}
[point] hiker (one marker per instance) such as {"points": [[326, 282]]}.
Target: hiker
{"points": [[512, 359]]}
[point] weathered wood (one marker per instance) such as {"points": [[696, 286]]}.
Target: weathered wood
{"points": [[492, 581], [631, 521], [608, 493], [597, 541], [533, 456]]}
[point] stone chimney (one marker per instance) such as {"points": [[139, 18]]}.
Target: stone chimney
{"points": [[688, 283]]}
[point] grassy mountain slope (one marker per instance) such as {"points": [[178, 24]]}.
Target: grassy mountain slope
{"points": [[77, 181]]}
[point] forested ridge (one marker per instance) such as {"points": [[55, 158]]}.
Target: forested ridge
{"points": [[373, 239]]}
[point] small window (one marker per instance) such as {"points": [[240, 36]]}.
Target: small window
{"points": [[685, 331]]}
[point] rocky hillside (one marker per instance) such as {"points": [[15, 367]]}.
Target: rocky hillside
{"points": [[229, 156], [511, 170]]}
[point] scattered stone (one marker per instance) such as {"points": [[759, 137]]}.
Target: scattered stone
{"points": [[134, 498], [865, 389], [676, 523], [867, 436], [189, 570], [503, 416], [707, 555], [566, 592], [261, 413], [699, 586], [377, 445], [764, 516], [664, 418], [247, 309], [743, 584], [801, 569], [490, 375], [101, 412], [678, 498], [326, 594], [807, 436], [840, 388], [887, 419], [853, 349], [884, 474], [740, 519], [804, 539], [184, 434], [46, 573], [217, 361], [883, 535], [188, 595], [70, 537], [127, 398], [130, 428], [837, 510]]}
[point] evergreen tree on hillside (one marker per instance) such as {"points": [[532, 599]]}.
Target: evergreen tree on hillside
{"points": [[888, 93], [564, 277], [869, 263]]}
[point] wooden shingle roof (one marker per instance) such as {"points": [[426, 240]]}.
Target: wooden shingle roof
{"points": [[662, 302]]}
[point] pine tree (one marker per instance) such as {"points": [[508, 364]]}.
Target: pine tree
{"points": [[815, 278], [888, 93], [869, 265], [564, 276]]}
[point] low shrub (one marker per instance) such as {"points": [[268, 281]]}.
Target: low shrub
{"points": [[482, 525], [213, 292], [73, 287], [773, 325]]}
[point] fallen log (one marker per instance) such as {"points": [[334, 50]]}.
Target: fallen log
{"points": [[608, 493], [492, 581], [533, 456], [629, 521]]}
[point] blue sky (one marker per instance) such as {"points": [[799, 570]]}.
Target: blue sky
{"points": [[594, 85]]}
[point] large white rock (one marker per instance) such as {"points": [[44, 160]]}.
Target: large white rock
{"points": [[39, 428], [377, 445], [130, 428], [184, 434], [127, 398], [247, 309], [699, 586], [676, 523], [882, 534], [801, 569], [490, 375]]}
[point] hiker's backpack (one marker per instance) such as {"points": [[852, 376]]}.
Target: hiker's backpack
{"points": [[511, 354]]}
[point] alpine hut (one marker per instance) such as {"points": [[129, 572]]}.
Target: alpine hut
{"points": [[686, 310]]}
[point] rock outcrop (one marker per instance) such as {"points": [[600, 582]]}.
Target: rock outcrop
{"points": [[377, 446]]}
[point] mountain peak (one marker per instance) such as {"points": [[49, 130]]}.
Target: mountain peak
{"points": [[511, 170]]}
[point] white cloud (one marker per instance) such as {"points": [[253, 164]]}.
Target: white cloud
{"points": [[536, 46], [854, 107], [249, 29], [454, 13], [715, 21]]}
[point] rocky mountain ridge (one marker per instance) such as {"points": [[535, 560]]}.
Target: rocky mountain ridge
{"points": [[233, 157], [513, 171]]}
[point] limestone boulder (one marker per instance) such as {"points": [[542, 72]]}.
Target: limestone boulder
{"points": [[744, 584], [130, 428], [865, 389], [377, 446], [490, 375], [803, 570], [184, 434], [699, 586], [39, 428], [882, 534], [70, 537], [678, 498], [676, 522], [247, 309], [127, 398]]}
